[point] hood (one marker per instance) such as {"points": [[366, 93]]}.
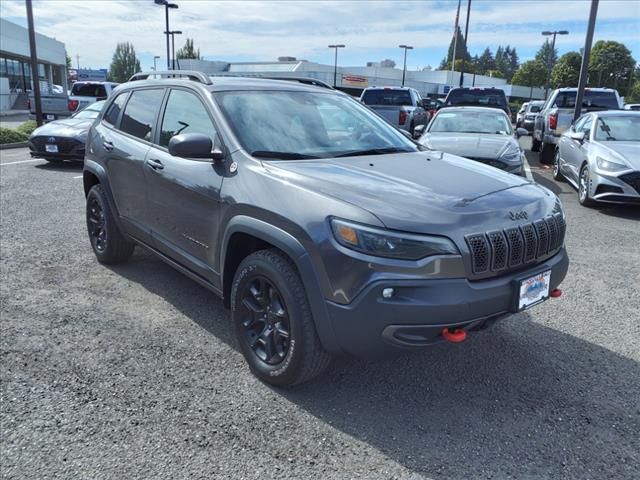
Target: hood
{"points": [[69, 127], [470, 145], [629, 151], [423, 192]]}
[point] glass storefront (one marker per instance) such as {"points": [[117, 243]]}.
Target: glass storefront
{"points": [[19, 73]]}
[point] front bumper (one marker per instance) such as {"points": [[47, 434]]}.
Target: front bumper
{"points": [[605, 187], [68, 148], [415, 316]]}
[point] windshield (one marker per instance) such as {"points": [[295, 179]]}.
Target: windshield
{"points": [[471, 122], [387, 96], [621, 128], [92, 111], [295, 125]]}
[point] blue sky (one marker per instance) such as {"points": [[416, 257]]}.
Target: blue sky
{"points": [[264, 30]]}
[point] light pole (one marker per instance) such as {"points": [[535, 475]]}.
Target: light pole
{"points": [[335, 63], [404, 68], [155, 57], [167, 6], [547, 33], [173, 47]]}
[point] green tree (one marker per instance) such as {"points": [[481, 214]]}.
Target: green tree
{"points": [[69, 64], [566, 72], [506, 61], [485, 62], [611, 65], [188, 51], [634, 93], [547, 55], [530, 74], [494, 74], [124, 63], [461, 51]]}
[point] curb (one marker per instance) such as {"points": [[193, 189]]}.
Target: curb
{"points": [[7, 146]]}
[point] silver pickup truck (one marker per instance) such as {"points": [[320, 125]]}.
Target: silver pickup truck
{"points": [[556, 116], [402, 107]]}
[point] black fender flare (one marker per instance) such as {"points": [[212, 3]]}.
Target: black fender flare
{"points": [[98, 171], [292, 247]]}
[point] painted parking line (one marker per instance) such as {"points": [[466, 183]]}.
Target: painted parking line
{"points": [[527, 170], [78, 176], [21, 161]]}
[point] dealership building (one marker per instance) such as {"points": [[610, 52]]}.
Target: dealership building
{"points": [[15, 69], [354, 79]]}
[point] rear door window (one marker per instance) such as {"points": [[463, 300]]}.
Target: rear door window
{"points": [[387, 97], [140, 113], [80, 89]]}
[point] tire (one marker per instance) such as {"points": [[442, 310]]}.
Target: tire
{"points": [[557, 174], [546, 153], [583, 188], [273, 322], [107, 241], [535, 144]]}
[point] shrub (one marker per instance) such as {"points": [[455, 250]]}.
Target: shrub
{"points": [[8, 135], [27, 127]]}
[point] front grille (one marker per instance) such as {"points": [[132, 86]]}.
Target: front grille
{"points": [[65, 145], [632, 179], [508, 249]]}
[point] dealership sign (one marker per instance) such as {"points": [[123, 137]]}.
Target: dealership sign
{"points": [[355, 81]]}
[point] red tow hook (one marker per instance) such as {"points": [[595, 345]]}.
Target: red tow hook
{"points": [[454, 336], [555, 293]]}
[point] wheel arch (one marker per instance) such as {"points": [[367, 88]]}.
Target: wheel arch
{"points": [[244, 235]]}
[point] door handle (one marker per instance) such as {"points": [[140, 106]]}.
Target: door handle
{"points": [[155, 163], [108, 146]]}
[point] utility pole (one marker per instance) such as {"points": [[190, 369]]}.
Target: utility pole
{"points": [[35, 77], [78, 62], [404, 68], [335, 63], [466, 41], [553, 49], [584, 67], [455, 41]]}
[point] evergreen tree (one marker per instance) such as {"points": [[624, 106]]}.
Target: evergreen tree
{"points": [[461, 51], [485, 62], [124, 63], [188, 51], [547, 55]]}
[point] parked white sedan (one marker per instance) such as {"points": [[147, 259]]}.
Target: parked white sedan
{"points": [[600, 156]]}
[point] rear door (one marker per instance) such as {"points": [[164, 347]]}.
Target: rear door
{"points": [[184, 194], [125, 135]]}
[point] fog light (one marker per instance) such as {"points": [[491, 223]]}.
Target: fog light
{"points": [[388, 292]]}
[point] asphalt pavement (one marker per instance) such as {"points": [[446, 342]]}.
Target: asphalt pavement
{"points": [[132, 372]]}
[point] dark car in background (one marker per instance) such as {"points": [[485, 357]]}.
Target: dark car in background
{"points": [[529, 115], [402, 107], [64, 139], [478, 97]]}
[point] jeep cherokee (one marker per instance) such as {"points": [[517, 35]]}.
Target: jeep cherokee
{"points": [[324, 229]]}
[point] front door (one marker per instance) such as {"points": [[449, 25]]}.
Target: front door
{"points": [[184, 194]]}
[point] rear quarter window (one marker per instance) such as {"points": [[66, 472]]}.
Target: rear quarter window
{"points": [[113, 112], [140, 113]]}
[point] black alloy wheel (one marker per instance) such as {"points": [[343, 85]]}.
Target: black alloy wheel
{"points": [[97, 225], [265, 320]]}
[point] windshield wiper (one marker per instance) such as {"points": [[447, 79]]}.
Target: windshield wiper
{"points": [[373, 151], [281, 155]]}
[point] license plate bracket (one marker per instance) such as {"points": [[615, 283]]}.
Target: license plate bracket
{"points": [[51, 148], [532, 290]]}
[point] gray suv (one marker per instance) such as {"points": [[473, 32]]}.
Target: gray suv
{"points": [[325, 230]]}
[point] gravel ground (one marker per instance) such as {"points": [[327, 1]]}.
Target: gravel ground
{"points": [[131, 372]]}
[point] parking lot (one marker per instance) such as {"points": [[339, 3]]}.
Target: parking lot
{"points": [[131, 371]]}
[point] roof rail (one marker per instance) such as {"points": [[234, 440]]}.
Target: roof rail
{"points": [[306, 80], [189, 74]]}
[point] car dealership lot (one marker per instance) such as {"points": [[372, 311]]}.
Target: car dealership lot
{"points": [[131, 371]]}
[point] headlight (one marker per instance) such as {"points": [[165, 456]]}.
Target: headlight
{"points": [[610, 165], [511, 155], [383, 243]]}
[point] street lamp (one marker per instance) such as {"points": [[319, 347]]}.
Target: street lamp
{"points": [[173, 47], [167, 6], [547, 33], [335, 63], [404, 68], [155, 57]]}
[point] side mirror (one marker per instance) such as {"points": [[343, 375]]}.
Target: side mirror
{"points": [[521, 132], [577, 136], [194, 145], [418, 131]]}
